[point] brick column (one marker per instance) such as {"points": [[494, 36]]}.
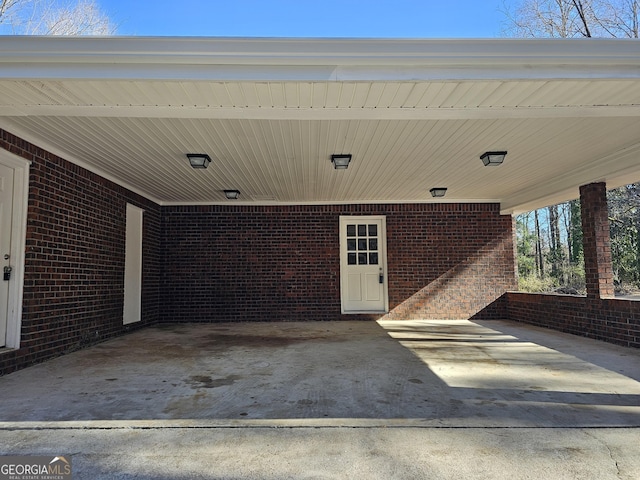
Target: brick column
{"points": [[596, 240]]}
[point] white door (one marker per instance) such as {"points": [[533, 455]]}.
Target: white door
{"points": [[6, 216], [363, 264], [132, 310]]}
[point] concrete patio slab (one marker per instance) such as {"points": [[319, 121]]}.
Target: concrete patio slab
{"points": [[438, 373], [412, 399]]}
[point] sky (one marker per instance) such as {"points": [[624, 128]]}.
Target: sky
{"points": [[308, 18]]}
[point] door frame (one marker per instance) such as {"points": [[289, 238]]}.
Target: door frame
{"points": [[20, 167], [343, 260]]}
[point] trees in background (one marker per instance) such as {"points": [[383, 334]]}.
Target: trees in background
{"points": [[549, 244], [624, 218], [553, 235], [52, 17], [549, 248], [574, 18]]}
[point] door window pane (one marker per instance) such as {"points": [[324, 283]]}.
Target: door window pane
{"points": [[362, 244]]}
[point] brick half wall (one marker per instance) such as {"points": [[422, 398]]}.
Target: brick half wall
{"points": [[611, 320]]}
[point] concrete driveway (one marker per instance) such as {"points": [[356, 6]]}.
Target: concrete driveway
{"points": [[414, 399]]}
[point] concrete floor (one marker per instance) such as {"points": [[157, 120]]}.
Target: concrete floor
{"points": [[415, 399]]}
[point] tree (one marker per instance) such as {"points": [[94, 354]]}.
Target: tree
{"points": [[550, 18], [574, 18], [52, 17], [526, 247], [6, 7], [624, 218]]}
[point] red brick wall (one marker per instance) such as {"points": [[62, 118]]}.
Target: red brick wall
{"points": [[235, 263], [612, 320], [597, 240], [74, 265], [449, 261]]}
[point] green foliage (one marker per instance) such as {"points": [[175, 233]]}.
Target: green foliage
{"points": [[549, 249], [624, 220], [576, 254], [532, 283], [526, 248]]}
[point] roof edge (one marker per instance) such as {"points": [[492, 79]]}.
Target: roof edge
{"points": [[317, 51], [280, 59]]}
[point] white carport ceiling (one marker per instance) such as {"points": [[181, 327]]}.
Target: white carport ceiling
{"points": [[415, 114]]}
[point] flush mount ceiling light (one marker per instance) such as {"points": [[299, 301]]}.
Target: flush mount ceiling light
{"points": [[232, 194], [493, 158], [438, 192], [199, 160], [341, 161]]}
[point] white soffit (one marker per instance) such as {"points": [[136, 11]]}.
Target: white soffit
{"points": [[413, 113]]}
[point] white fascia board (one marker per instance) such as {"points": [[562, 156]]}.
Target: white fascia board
{"points": [[187, 58], [311, 73]]}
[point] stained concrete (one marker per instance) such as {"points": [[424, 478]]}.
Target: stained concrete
{"points": [[415, 399]]}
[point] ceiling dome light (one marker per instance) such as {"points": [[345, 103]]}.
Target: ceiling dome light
{"points": [[232, 194], [199, 160], [438, 192], [341, 161], [493, 158]]}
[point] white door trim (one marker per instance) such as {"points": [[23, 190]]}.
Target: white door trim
{"points": [[383, 261], [18, 242]]}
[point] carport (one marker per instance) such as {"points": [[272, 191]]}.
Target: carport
{"points": [[111, 230], [218, 275]]}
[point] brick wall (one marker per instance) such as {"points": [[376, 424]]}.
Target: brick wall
{"points": [[597, 240], [74, 259], [238, 263], [449, 261], [612, 320]]}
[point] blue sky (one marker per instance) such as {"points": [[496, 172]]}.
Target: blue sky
{"points": [[308, 18]]}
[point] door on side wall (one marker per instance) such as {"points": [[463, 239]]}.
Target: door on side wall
{"points": [[6, 220], [132, 309], [363, 264]]}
